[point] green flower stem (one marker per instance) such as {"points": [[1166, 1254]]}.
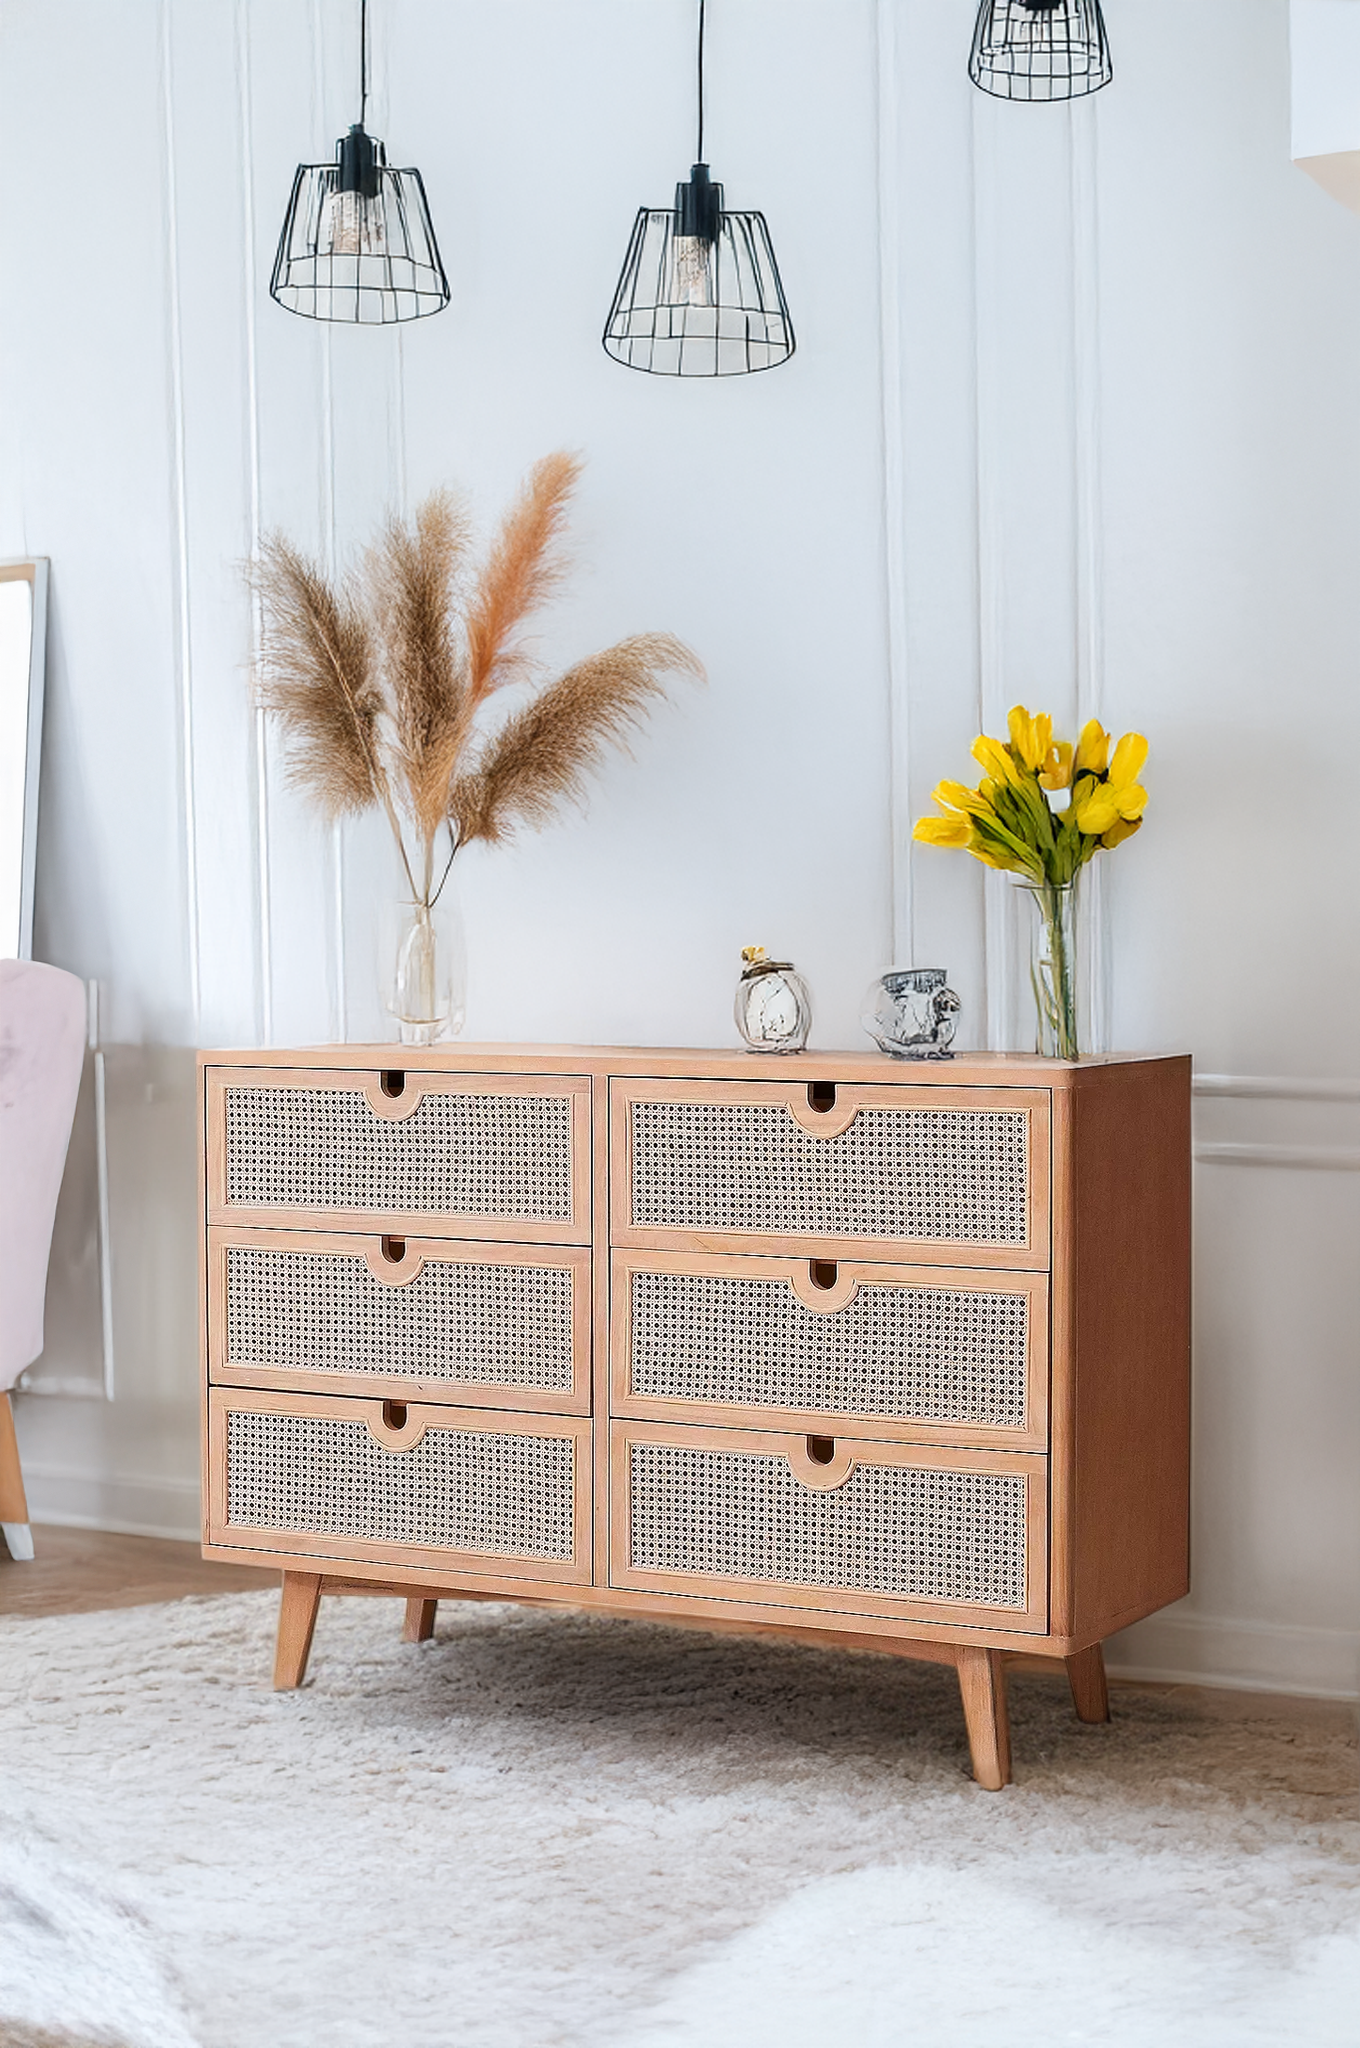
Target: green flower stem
{"points": [[1053, 976]]}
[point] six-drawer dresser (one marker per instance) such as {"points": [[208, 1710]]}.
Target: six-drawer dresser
{"points": [[862, 1351]]}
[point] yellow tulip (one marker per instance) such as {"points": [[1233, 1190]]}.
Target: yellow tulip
{"points": [[1097, 811], [996, 760], [1093, 748], [942, 831], [1031, 737], [1056, 772], [1122, 828], [1129, 757], [958, 797]]}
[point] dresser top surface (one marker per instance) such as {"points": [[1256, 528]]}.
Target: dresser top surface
{"points": [[965, 1069]]}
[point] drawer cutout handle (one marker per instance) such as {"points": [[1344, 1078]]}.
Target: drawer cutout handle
{"points": [[824, 1286], [393, 1094], [392, 1426], [817, 1110], [394, 1262], [820, 1463]]}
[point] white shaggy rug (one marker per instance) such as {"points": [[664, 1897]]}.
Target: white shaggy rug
{"points": [[555, 1832]]}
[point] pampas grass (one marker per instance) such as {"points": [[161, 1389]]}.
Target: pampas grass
{"points": [[380, 681]]}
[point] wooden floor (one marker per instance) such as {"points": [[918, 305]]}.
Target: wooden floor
{"points": [[79, 1571]]}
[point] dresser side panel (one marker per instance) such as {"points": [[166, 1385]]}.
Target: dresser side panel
{"points": [[1127, 1295]]}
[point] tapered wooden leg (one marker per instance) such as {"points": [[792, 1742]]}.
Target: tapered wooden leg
{"points": [[1086, 1676], [982, 1682], [297, 1618], [13, 1504], [418, 1626]]}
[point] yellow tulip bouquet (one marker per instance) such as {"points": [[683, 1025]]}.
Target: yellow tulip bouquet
{"points": [[1009, 822]]}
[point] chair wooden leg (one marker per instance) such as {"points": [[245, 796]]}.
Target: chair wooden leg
{"points": [[1086, 1676], [13, 1502], [982, 1683], [418, 1626], [298, 1603]]}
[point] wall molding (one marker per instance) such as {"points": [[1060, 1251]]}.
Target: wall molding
{"points": [[1313, 1158], [901, 907], [126, 1504], [1250, 1656], [1275, 1088]]}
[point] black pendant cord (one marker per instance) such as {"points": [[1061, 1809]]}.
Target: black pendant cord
{"points": [[699, 152], [363, 63]]}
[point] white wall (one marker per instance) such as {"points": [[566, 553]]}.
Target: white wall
{"points": [[1074, 418]]}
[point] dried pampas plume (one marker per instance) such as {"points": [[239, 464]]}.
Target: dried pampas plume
{"points": [[379, 682]]}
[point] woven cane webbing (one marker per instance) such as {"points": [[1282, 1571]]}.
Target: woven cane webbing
{"points": [[505, 1496], [456, 1155], [920, 1534], [467, 1324], [936, 1354], [943, 1176]]}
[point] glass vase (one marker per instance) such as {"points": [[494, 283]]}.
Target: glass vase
{"points": [[425, 966], [1054, 969], [773, 1008]]}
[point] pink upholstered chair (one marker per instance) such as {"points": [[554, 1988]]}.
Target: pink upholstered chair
{"points": [[42, 1048]]}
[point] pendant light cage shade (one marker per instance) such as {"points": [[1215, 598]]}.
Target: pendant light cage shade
{"points": [[357, 243], [707, 304], [1040, 50]]}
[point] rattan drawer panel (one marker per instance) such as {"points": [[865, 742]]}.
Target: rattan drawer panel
{"points": [[923, 1352], [754, 1166], [454, 1155], [889, 1529], [377, 1482], [417, 1318]]}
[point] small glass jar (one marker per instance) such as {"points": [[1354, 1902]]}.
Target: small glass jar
{"points": [[912, 1013], [773, 1007]]}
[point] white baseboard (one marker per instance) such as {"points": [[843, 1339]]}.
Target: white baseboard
{"points": [[69, 1498], [1255, 1656]]}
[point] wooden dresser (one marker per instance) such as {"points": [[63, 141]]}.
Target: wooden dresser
{"points": [[860, 1350]]}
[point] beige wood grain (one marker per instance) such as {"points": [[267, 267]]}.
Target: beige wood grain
{"points": [[599, 1135], [965, 1070], [1129, 1419], [294, 1544], [852, 1274], [13, 1502], [298, 1603], [792, 1097], [1086, 1676], [575, 1259], [418, 1625], [982, 1686], [476, 1582], [624, 1575], [402, 1223]]}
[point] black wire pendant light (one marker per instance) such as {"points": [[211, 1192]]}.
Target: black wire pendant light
{"points": [[1040, 49], [699, 294], [357, 244]]}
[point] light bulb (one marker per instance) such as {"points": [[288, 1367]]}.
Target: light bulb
{"points": [[354, 226], [691, 280]]}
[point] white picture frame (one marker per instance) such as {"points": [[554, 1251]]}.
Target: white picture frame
{"points": [[23, 666]]}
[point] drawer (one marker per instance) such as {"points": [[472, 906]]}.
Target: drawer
{"points": [[832, 1171], [879, 1528], [433, 1155], [377, 1482], [935, 1354], [410, 1318]]}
